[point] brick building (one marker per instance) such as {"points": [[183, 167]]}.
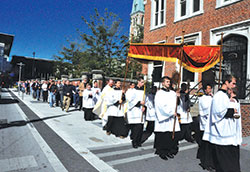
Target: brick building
{"points": [[203, 21]]}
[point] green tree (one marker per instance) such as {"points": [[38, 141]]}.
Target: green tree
{"points": [[105, 48], [69, 61], [105, 44]]}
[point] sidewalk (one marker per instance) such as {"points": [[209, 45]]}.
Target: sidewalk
{"points": [[81, 135], [86, 136]]}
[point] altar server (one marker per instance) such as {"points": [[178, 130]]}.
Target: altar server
{"points": [[204, 111], [150, 114], [135, 112], [220, 130], [185, 116], [88, 103], [165, 105]]}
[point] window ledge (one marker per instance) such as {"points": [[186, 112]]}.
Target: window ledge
{"points": [[157, 27], [188, 17], [226, 4]]}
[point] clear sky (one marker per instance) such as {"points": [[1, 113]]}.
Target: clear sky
{"points": [[42, 26]]}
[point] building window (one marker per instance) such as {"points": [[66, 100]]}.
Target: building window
{"points": [[142, 20], [222, 3], [187, 8], [162, 12], [183, 7], [157, 72], [196, 5], [158, 13]]}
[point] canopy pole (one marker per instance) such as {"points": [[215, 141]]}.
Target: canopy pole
{"points": [[126, 70], [221, 45], [127, 63], [179, 80], [144, 97]]}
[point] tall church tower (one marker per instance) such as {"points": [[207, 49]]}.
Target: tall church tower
{"points": [[136, 17]]}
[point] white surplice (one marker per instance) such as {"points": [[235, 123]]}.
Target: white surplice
{"points": [[220, 130], [204, 110], [165, 104], [149, 103], [134, 114]]}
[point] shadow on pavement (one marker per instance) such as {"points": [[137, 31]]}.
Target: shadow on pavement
{"points": [[72, 110], [23, 122], [8, 101]]}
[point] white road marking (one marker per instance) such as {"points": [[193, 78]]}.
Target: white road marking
{"points": [[123, 151], [145, 156]]}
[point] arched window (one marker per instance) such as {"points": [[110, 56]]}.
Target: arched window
{"points": [[235, 60]]}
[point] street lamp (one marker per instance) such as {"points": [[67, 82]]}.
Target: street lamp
{"points": [[34, 53], [20, 72]]}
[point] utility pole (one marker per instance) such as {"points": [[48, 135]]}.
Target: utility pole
{"points": [[20, 73]]}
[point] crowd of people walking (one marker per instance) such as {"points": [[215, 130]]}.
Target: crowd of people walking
{"points": [[163, 111]]}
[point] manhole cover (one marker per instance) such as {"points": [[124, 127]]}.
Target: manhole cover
{"points": [[95, 139]]}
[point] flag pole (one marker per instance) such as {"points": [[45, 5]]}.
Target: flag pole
{"points": [[221, 44], [179, 80]]}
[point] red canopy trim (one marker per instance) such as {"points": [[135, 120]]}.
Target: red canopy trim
{"points": [[195, 58], [158, 52]]}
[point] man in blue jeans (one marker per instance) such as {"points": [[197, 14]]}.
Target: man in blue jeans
{"points": [[53, 90]]}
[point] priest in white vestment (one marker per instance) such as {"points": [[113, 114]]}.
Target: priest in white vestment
{"points": [[100, 107], [115, 100]]}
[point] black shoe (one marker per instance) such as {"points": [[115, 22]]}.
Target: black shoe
{"points": [[171, 156], [164, 157], [134, 145]]}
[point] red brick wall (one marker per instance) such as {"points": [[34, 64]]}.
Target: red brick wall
{"points": [[245, 113], [211, 18]]}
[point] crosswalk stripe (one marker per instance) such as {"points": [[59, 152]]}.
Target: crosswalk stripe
{"points": [[131, 159], [146, 156], [124, 151], [115, 146]]}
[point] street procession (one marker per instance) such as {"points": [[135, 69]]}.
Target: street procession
{"points": [[131, 111], [171, 93]]}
